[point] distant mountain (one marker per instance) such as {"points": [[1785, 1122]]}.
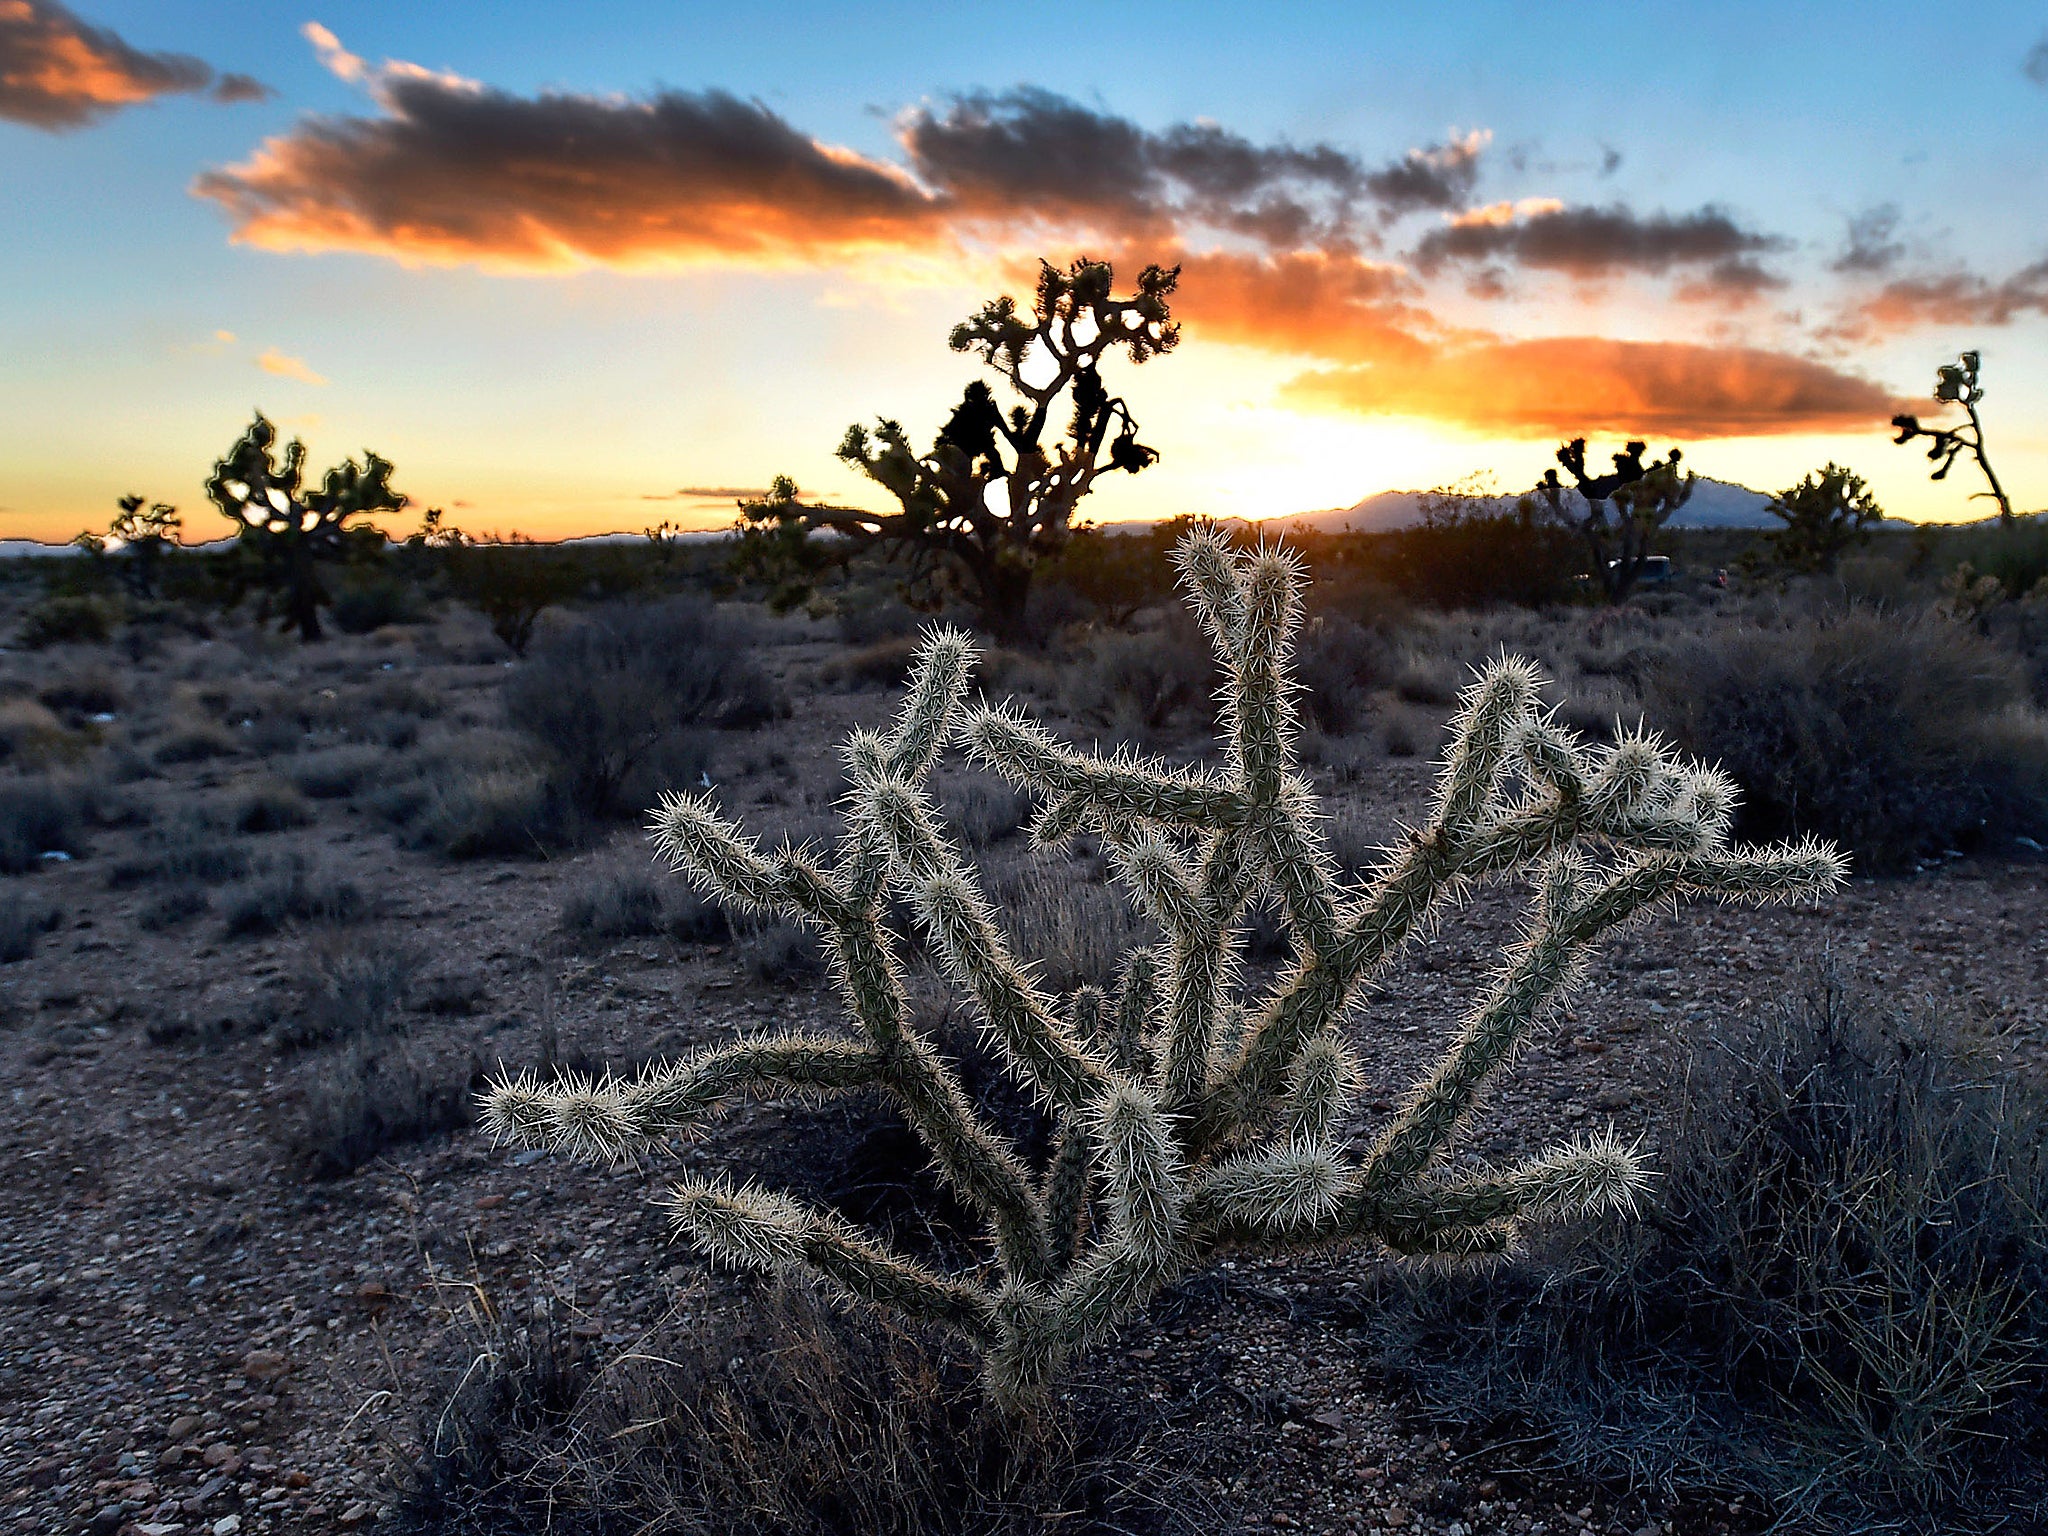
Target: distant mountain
{"points": [[1714, 504]]}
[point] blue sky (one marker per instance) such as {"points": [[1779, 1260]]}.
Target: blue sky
{"points": [[1633, 217]]}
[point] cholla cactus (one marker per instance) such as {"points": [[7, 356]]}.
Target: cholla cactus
{"points": [[1191, 1116]]}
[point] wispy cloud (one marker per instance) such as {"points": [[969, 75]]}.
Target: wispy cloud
{"points": [[58, 72], [287, 367], [1587, 243]]}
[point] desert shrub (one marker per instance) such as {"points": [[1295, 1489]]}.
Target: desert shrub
{"points": [[1076, 930], [31, 736], [374, 599], [350, 992], [984, 809], [269, 805], [186, 850], [375, 1095], [885, 618], [1406, 732], [1482, 562], [1897, 736], [1837, 1298], [295, 892], [23, 919], [783, 954], [488, 812], [1145, 683], [193, 739], [335, 773], [882, 663], [615, 901], [1424, 678], [63, 619], [618, 704], [2016, 556], [85, 690], [774, 1413], [1340, 662], [41, 815], [173, 905]]}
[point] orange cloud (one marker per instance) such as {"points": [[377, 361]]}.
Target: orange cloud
{"points": [[57, 72], [1313, 303], [1568, 386], [287, 367]]}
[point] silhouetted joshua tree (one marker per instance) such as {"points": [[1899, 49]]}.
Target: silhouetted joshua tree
{"points": [[1956, 384], [145, 533], [1639, 497], [291, 534], [992, 498]]}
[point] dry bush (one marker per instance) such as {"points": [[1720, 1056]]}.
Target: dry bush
{"points": [[268, 805], [1340, 662], [374, 1095], [770, 1413], [1145, 684], [349, 992], [1838, 1298], [293, 892], [68, 620], [618, 704], [40, 815], [89, 689], [984, 809], [336, 773], [32, 737], [882, 663], [1897, 736], [24, 918], [623, 899], [1075, 930]]}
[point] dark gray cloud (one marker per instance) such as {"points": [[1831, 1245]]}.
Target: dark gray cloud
{"points": [[2035, 65], [1033, 148], [1871, 248], [455, 172], [1610, 241], [58, 72]]}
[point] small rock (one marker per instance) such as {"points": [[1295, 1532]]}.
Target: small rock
{"points": [[296, 1479], [1395, 1517], [227, 1525], [263, 1365], [183, 1427], [219, 1454], [1329, 1418], [355, 1514]]}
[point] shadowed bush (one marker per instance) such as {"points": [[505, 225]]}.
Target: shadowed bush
{"points": [[618, 703], [23, 920], [65, 620], [374, 1096], [769, 1415], [1837, 1299], [295, 893], [38, 816], [1897, 736]]}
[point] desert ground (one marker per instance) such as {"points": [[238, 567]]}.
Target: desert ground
{"points": [[284, 908]]}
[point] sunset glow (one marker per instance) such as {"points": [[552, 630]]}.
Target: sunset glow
{"points": [[575, 284]]}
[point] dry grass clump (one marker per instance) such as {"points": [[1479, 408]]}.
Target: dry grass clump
{"points": [[1898, 736], [40, 814], [768, 1412], [882, 663], [1837, 1299], [374, 1095], [623, 899], [268, 805], [24, 918], [294, 891], [618, 704], [31, 736]]}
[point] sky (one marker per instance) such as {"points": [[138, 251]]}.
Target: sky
{"points": [[591, 269]]}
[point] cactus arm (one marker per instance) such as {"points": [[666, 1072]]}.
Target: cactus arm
{"points": [[1122, 789], [752, 1228], [1066, 1195], [1591, 1178]]}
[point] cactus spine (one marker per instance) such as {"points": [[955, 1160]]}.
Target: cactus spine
{"points": [[1191, 1117]]}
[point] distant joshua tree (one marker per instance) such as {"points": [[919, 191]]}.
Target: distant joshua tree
{"points": [[1824, 515], [1956, 384], [1640, 497], [145, 533], [993, 497], [291, 534]]}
